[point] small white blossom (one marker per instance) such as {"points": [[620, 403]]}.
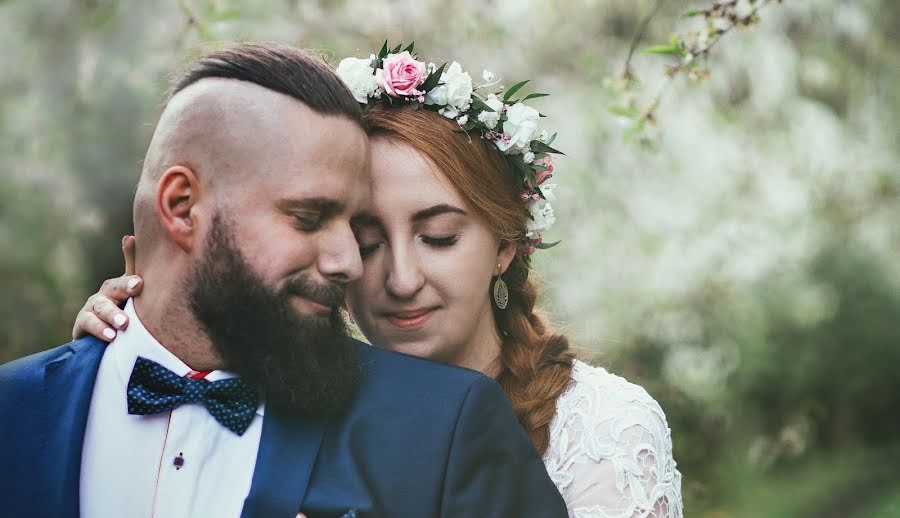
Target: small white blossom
{"points": [[437, 95], [545, 137], [542, 212], [487, 75], [448, 111], [462, 120], [528, 157], [455, 92], [521, 125], [547, 190], [489, 118], [359, 77]]}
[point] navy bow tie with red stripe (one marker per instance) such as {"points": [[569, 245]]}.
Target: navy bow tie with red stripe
{"points": [[153, 389]]}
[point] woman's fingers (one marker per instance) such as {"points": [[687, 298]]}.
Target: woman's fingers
{"points": [[108, 312], [128, 245], [87, 323], [100, 316], [121, 288]]}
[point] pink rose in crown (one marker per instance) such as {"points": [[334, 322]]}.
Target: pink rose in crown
{"points": [[401, 75]]}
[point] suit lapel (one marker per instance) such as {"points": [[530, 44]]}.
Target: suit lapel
{"points": [[284, 464], [69, 385]]}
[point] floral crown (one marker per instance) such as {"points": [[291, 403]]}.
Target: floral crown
{"points": [[396, 77]]}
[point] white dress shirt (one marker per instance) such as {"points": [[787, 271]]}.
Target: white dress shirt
{"points": [[128, 465]]}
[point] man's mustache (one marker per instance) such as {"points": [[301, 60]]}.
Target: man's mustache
{"points": [[331, 295]]}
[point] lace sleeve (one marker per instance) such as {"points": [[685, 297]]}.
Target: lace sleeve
{"points": [[611, 450]]}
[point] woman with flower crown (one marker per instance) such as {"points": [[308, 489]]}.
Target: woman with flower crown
{"points": [[460, 200]]}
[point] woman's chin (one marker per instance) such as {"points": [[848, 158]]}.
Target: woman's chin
{"points": [[421, 348]]}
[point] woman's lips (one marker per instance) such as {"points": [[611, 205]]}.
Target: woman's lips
{"points": [[408, 320]]}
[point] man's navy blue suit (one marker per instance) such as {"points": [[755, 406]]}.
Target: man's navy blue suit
{"points": [[421, 439]]}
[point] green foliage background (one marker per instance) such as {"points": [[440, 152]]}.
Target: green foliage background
{"points": [[743, 263]]}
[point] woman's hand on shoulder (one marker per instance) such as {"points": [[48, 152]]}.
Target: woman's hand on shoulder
{"points": [[101, 314]]}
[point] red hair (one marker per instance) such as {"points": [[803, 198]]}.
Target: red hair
{"points": [[536, 362]]}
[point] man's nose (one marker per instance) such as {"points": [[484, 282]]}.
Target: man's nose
{"points": [[339, 259]]}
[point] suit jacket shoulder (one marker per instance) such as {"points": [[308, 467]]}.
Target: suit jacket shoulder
{"points": [[414, 376], [428, 439], [44, 401], [24, 376]]}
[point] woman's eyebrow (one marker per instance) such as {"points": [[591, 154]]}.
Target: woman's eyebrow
{"points": [[436, 210]]}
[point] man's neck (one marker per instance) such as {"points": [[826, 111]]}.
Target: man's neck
{"points": [[167, 317]]}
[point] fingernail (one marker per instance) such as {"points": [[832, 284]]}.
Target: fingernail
{"points": [[123, 241], [132, 282], [119, 320], [109, 333]]}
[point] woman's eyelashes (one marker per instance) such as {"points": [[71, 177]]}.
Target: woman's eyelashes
{"points": [[440, 241], [368, 247]]}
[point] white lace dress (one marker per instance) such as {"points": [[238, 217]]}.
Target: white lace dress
{"points": [[610, 450]]}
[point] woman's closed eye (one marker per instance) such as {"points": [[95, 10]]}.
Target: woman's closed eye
{"points": [[440, 241]]}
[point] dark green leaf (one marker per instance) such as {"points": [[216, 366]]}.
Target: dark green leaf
{"points": [[525, 168], [409, 48], [479, 106], [544, 246], [534, 96], [384, 51], [433, 79], [513, 89], [539, 147]]}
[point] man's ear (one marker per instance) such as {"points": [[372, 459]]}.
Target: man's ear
{"points": [[177, 194], [505, 254]]}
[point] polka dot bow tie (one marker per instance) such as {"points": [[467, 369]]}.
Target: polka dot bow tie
{"points": [[153, 389]]}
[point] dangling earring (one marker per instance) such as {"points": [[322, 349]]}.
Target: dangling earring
{"points": [[501, 292]]}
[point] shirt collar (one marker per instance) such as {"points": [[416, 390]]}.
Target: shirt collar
{"points": [[137, 341]]}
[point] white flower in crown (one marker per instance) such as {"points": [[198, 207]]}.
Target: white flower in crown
{"points": [[519, 129], [488, 118], [541, 212], [454, 94], [359, 77], [394, 77]]}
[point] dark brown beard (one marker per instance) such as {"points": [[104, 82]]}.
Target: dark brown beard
{"points": [[305, 365]]}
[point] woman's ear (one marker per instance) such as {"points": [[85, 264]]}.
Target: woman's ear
{"points": [[505, 254], [177, 194]]}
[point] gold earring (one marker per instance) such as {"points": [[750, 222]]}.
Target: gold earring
{"points": [[501, 292]]}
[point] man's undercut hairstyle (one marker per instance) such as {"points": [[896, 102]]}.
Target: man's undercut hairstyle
{"points": [[280, 68]]}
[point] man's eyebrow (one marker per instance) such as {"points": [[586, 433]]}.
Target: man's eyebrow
{"points": [[365, 219], [430, 212], [325, 206]]}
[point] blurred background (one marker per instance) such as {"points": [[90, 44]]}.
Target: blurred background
{"points": [[740, 259]]}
